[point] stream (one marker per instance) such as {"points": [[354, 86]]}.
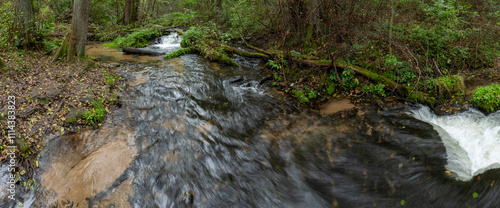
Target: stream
{"points": [[192, 133]]}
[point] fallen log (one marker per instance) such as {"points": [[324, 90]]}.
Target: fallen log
{"points": [[402, 89], [229, 49], [141, 51]]}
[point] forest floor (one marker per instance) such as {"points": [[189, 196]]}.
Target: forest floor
{"points": [[52, 98]]}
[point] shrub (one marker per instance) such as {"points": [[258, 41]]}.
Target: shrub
{"points": [[377, 90], [136, 39], [207, 41], [96, 114], [300, 95], [487, 98], [446, 87], [178, 53]]}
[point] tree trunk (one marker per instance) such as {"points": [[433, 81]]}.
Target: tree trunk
{"points": [[25, 22], [74, 42], [218, 10], [126, 13], [134, 13], [131, 12]]}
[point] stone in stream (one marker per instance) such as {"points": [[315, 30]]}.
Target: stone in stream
{"points": [[236, 79]]}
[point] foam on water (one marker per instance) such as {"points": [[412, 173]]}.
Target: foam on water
{"points": [[472, 140], [170, 41]]}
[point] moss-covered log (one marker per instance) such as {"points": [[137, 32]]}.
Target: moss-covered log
{"points": [[207, 52], [403, 90], [244, 53], [180, 52]]}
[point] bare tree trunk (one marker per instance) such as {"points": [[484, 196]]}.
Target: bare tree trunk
{"points": [[74, 42], [131, 13], [134, 13], [25, 22], [126, 14]]}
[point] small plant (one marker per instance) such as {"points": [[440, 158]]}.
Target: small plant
{"points": [[96, 114], [350, 82], [272, 64], [276, 77], [300, 95], [296, 55], [331, 89], [111, 79], [487, 98], [446, 87], [377, 90]]}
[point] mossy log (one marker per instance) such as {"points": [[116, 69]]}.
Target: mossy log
{"points": [[180, 52], [403, 90], [206, 51], [244, 53]]}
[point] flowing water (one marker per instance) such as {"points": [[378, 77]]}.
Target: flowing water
{"points": [[196, 134]]}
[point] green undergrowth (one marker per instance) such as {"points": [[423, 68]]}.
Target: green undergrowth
{"points": [[179, 52], [207, 41], [487, 98], [448, 87], [137, 39], [95, 114]]}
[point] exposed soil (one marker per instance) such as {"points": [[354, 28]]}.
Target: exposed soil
{"points": [[51, 98]]}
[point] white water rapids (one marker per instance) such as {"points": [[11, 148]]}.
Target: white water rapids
{"points": [[472, 140], [170, 41]]}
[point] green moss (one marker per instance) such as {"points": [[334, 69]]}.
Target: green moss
{"points": [[446, 87], [208, 43], [179, 52], [487, 98], [136, 39], [300, 95]]}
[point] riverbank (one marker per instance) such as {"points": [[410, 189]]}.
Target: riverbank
{"points": [[53, 98]]}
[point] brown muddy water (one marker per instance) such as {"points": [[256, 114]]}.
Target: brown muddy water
{"points": [[197, 134]]}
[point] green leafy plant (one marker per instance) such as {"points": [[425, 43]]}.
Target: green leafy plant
{"points": [[331, 89], [300, 95], [136, 39], [348, 79], [487, 98], [179, 52], [377, 90], [446, 87], [111, 79], [95, 114]]}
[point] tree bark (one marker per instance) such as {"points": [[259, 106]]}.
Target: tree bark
{"points": [[126, 14], [25, 22], [74, 42], [131, 12]]}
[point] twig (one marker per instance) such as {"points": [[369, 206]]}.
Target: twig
{"points": [[437, 67]]}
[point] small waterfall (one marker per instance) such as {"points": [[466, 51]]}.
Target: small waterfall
{"points": [[170, 41], [472, 140]]}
